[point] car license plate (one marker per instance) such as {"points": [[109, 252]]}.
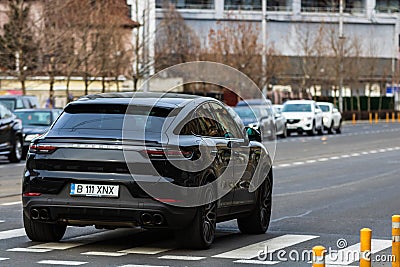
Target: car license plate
{"points": [[94, 190]]}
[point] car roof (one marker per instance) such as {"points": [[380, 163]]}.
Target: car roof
{"points": [[16, 96], [255, 102], [324, 103], [37, 109], [140, 98], [303, 101]]}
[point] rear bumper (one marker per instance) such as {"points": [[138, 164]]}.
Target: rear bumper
{"points": [[300, 126], [125, 211]]}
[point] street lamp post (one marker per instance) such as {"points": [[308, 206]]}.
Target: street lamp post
{"points": [[264, 45], [341, 39]]}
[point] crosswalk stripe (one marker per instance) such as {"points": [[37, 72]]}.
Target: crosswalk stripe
{"points": [[34, 250], [57, 246], [4, 259], [1, 221], [12, 233], [270, 245], [138, 265], [102, 253], [181, 258], [257, 262], [144, 250], [69, 263], [351, 254]]}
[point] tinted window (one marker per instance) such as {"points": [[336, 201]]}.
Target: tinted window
{"points": [[225, 121], [8, 103], [325, 108], [38, 118], [207, 126], [249, 113], [111, 117], [20, 104], [296, 108]]}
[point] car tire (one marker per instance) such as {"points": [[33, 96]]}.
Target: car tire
{"points": [[258, 221], [339, 128], [331, 128], [320, 131], [16, 151], [43, 232], [285, 132], [312, 131], [200, 233]]}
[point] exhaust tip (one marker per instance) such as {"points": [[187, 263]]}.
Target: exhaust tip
{"points": [[43, 214], [34, 214], [158, 219], [146, 218]]}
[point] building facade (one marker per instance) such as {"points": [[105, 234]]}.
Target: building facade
{"points": [[373, 23]]}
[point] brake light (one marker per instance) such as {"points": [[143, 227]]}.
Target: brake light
{"points": [[29, 194], [168, 200], [42, 149]]}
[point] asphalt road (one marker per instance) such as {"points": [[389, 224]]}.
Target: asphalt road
{"points": [[326, 189]]}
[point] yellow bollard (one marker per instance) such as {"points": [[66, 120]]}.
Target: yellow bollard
{"points": [[393, 117], [396, 240], [318, 256], [387, 117], [370, 118], [398, 117], [365, 247], [354, 119], [376, 118]]}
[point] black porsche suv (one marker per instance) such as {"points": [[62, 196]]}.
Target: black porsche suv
{"points": [[10, 135], [110, 161]]}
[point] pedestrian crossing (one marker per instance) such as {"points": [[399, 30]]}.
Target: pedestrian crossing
{"points": [[165, 252]]}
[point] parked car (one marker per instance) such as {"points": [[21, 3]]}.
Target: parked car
{"points": [[13, 102], [280, 121], [35, 122], [303, 116], [10, 135], [332, 117], [79, 164], [257, 116]]}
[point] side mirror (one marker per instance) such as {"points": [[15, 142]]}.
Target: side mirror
{"points": [[253, 134], [335, 110]]}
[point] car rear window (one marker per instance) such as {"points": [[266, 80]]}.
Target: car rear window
{"points": [[111, 117]]}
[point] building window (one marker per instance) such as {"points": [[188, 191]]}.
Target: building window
{"points": [[387, 6], [242, 5], [187, 4], [279, 5], [328, 6]]}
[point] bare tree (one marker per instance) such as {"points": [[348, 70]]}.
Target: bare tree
{"points": [[18, 44]]}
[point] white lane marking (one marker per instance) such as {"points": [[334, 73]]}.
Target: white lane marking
{"points": [[102, 253], [373, 151], [355, 154], [57, 246], [298, 163], [1, 221], [311, 161], [283, 165], [181, 258], [12, 233], [274, 244], [4, 259], [290, 217], [351, 254], [144, 250], [138, 265], [69, 263], [382, 150], [33, 250], [257, 262], [323, 159], [11, 203], [365, 153], [345, 156], [334, 158]]}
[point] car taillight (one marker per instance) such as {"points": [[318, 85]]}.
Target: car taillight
{"points": [[30, 194], [42, 149]]}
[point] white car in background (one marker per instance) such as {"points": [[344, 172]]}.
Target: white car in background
{"points": [[303, 116], [332, 119]]}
